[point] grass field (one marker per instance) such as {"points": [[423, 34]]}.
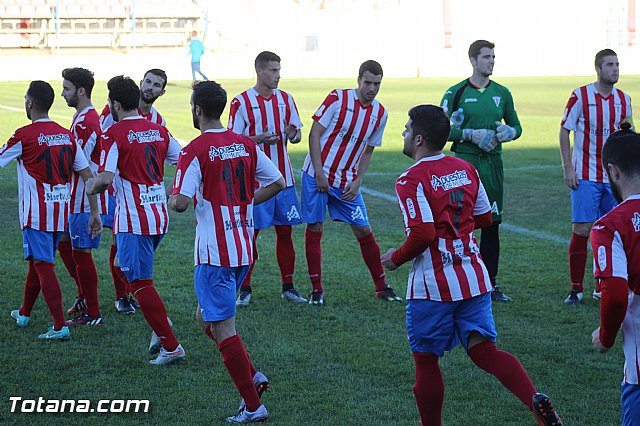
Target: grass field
{"points": [[347, 363]]}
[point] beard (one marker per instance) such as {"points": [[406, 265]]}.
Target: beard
{"points": [[149, 100], [114, 114], [72, 101], [615, 190], [196, 122]]}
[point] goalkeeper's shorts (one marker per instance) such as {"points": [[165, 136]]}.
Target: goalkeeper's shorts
{"points": [[492, 176]]}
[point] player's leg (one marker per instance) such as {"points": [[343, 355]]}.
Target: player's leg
{"points": [[120, 283], [244, 296], [31, 292], [65, 249], [313, 206]]}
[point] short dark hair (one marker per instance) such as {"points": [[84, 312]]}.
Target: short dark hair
{"points": [[623, 150], [41, 94], [210, 97], [432, 124], [160, 73], [601, 55], [264, 58], [80, 77], [124, 90], [476, 47], [372, 66]]}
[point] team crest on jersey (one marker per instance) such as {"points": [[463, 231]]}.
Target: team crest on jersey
{"points": [[357, 214], [293, 214], [144, 137], [54, 140], [454, 180], [636, 221], [227, 152], [411, 208], [602, 258], [496, 99]]}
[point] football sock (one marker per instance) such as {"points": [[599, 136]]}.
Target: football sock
{"points": [[120, 282], [428, 388], [252, 369], [66, 254], [246, 284], [154, 312], [285, 253], [51, 292], [209, 334], [490, 249], [313, 251], [371, 255], [31, 291], [88, 277], [237, 362], [577, 260], [506, 368]]}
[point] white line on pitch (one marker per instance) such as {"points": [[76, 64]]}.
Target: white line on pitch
{"points": [[14, 109], [514, 169]]}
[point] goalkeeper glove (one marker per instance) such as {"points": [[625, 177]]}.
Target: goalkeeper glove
{"points": [[484, 138], [504, 133]]}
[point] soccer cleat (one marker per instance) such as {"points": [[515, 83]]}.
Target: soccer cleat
{"points": [[261, 383], [316, 298], [168, 358], [544, 412], [51, 334], [155, 344], [78, 306], [21, 320], [498, 296], [574, 297], [388, 294], [244, 416], [597, 295], [123, 305], [134, 303], [86, 319], [244, 298], [293, 296]]}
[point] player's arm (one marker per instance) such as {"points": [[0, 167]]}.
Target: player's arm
{"points": [[418, 240], [81, 166], [352, 189], [446, 104], [294, 135], [317, 130], [482, 214], [613, 308], [570, 177]]}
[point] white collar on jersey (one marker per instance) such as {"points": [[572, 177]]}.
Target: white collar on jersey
{"points": [[43, 120], [84, 111], [220, 130], [432, 158], [133, 117], [633, 197]]}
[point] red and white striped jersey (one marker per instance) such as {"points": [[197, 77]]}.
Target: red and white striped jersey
{"points": [[86, 129], [349, 127], [593, 118], [250, 114], [217, 169], [47, 155], [446, 191], [135, 149], [106, 119], [615, 240]]}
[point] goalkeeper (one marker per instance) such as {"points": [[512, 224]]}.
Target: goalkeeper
{"points": [[483, 117]]}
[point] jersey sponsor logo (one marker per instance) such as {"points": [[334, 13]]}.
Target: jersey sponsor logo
{"points": [[351, 139], [227, 152], [57, 194], [497, 99], [454, 180], [447, 258], [605, 132], [54, 140], [155, 194], [237, 223], [357, 214], [470, 100], [144, 137], [411, 208], [349, 109], [293, 214], [636, 221], [602, 258]]}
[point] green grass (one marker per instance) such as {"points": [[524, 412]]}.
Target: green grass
{"points": [[347, 363]]}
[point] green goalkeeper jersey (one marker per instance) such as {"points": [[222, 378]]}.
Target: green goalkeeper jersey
{"points": [[482, 108]]}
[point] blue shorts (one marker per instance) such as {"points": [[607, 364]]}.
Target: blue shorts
{"points": [[107, 219], [216, 289], [591, 201], [435, 327], [135, 254], [40, 245], [314, 205], [630, 405], [283, 209], [79, 231]]}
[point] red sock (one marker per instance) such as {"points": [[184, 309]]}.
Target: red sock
{"points": [[154, 312], [31, 291], [209, 333], [313, 251], [66, 254], [577, 260], [285, 253], [506, 368], [371, 255], [51, 292], [247, 279], [252, 368], [237, 362], [429, 388], [120, 282], [88, 277]]}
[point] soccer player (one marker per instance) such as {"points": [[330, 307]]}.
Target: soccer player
{"points": [[133, 152], [615, 241], [47, 156], [218, 170], [346, 128], [442, 201], [269, 116], [477, 106], [75, 247], [593, 112], [152, 87]]}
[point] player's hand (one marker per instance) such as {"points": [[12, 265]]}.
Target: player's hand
{"points": [[291, 131], [570, 178], [595, 339], [268, 137], [322, 183], [351, 191], [386, 260], [484, 138], [504, 133], [95, 225]]}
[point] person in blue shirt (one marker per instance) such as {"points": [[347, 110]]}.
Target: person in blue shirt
{"points": [[196, 50]]}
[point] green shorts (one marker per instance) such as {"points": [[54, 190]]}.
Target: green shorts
{"points": [[492, 176]]}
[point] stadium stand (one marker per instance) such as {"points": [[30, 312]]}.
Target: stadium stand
{"points": [[97, 23]]}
